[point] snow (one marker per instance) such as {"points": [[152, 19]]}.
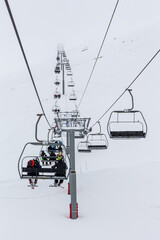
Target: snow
{"points": [[118, 188]]}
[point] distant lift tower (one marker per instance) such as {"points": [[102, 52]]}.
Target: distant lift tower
{"points": [[72, 125]]}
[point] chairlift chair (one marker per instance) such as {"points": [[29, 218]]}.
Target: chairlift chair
{"points": [[83, 147], [71, 83], [97, 141], [57, 95], [58, 58], [69, 74], [72, 97], [127, 124], [56, 109], [44, 172], [57, 69], [57, 82]]}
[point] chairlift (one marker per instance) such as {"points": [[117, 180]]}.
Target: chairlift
{"points": [[57, 95], [127, 124], [56, 109], [71, 83], [73, 97], [57, 82], [69, 74], [58, 58], [97, 141], [83, 147], [44, 172], [57, 69]]}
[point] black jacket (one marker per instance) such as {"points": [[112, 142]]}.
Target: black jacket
{"points": [[60, 168]]}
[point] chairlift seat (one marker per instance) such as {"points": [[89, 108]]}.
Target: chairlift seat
{"points": [[96, 147], [84, 150], [41, 173], [127, 134]]}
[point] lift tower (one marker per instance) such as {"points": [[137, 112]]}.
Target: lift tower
{"points": [[72, 125]]}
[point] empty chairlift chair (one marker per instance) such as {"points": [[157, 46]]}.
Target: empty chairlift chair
{"points": [[127, 124], [71, 83], [69, 73], [97, 140], [83, 147], [72, 97]]}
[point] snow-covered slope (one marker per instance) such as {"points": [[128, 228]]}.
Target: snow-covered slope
{"points": [[118, 189]]}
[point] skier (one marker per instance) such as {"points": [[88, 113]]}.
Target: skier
{"points": [[44, 157], [51, 151], [60, 168], [32, 165], [60, 147]]}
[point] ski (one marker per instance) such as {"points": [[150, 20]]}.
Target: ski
{"points": [[32, 186], [53, 185]]}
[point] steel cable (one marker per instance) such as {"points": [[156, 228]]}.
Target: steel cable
{"points": [[126, 89], [25, 58], [99, 53]]}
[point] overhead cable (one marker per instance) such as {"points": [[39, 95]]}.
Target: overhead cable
{"points": [[96, 60], [126, 88], [25, 58]]}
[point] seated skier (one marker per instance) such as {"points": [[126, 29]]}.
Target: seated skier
{"points": [[44, 157], [51, 151], [60, 167], [32, 165]]}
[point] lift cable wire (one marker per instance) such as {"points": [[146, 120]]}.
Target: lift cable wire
{"points": [[126, 89], [96, 60], [25, 58]]}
